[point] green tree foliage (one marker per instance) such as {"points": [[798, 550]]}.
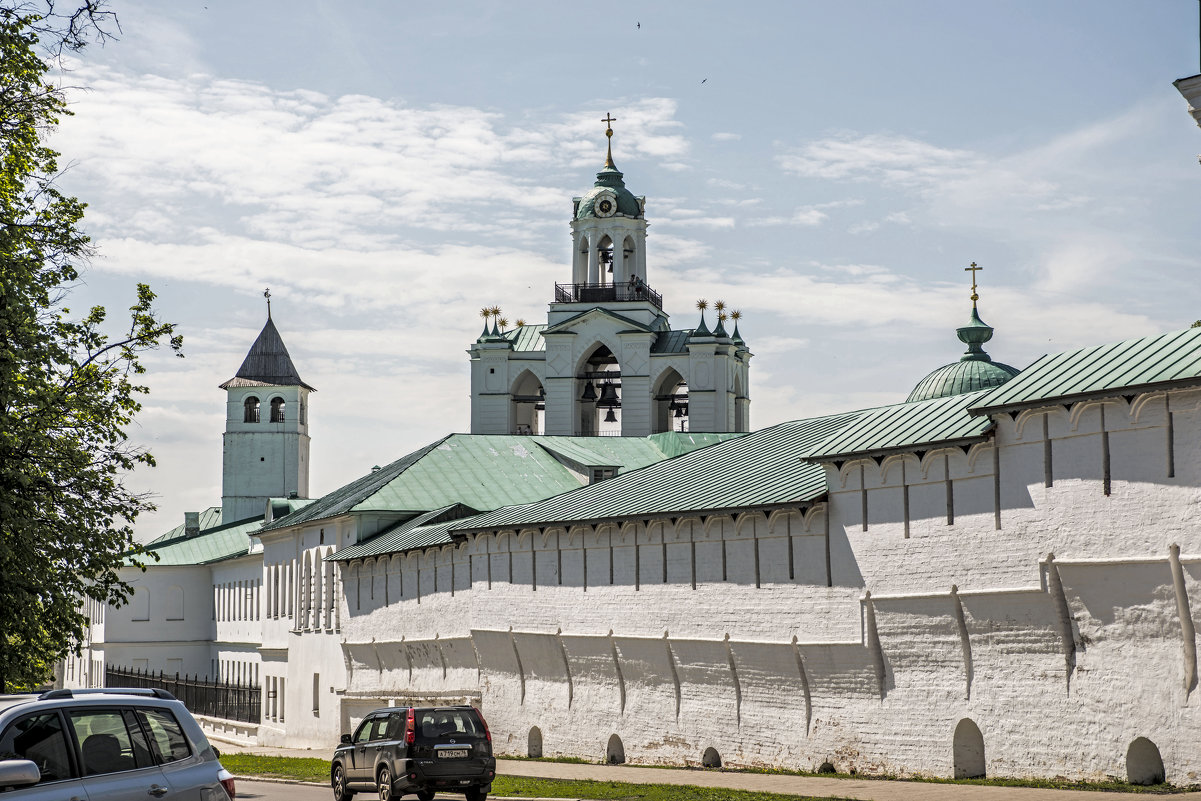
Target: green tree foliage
{"points": [[68, 387]]}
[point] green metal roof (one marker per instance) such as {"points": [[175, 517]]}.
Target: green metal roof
{"points": [[209, 518], [610, 179], [672, 341], [421, 531], [676, 443], [212, 544], [482, 471], [961, 377], [526, 337], [565, 448], [759, 469], [1134, 365], [905, 427]]}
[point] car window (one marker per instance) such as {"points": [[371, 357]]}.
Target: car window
{"points": [[396, 725], [167, 740], [436, 723], [379, 728], [363, 733], [105, 742], [39, 738]]}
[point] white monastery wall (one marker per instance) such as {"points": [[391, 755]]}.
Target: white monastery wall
{"points": [[1060, 661]]}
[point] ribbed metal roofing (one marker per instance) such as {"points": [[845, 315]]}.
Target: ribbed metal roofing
{"points": [[422, 531], [212, 544], [209, 518], [961, 377], [905, 427], [566, 448], [1129, 366], [483, 471], [672, 341], [759, 469], [267, 363], [526, 338]]}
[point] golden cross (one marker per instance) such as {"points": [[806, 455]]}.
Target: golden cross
{"points": [[608, 121], [973, 270]]}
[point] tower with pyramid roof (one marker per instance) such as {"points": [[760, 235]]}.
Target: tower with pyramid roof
{"points": [[607, 361], [266, 444]]}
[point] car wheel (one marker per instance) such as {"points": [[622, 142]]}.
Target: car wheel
{"points": [[339, 784], [425, 795], [477, 794], [384, 780]]}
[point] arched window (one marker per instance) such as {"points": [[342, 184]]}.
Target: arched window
{"points": [[968, 750], [251, 410], [277, 410], [615, 752], [1144, 765], [534, 744]]}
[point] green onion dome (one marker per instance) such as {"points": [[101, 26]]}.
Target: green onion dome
{"points": [[975, 370]]}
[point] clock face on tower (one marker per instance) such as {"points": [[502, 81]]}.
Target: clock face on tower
{"points": [[605, 205]]}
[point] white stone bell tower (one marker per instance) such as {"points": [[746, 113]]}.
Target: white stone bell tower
{"points": [[266, 444], [607, 361]]}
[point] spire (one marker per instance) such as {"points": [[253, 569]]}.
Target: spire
{"points": [[737, 338], [608, 121], [267, 363], [702, 330], [267, 295]]}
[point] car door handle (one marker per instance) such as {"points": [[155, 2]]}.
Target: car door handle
{"points": [[157, 791]]}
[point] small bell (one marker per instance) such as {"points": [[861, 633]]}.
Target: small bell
{"points": [[610, 417], [589, 393], [608, 396], [679, 411]]}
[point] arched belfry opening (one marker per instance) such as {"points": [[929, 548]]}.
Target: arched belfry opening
{"points": [[599, 396], [605, 257], [671, 403], [528, 406]]}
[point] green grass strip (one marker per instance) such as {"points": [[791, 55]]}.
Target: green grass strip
{"points": [[300, 769], [523, 787]]}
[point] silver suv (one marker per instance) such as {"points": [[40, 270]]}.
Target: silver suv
{"points": [[106, 745]]}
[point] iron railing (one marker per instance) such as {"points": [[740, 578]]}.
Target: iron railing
{"points": [[605, 293], [218, 699]]}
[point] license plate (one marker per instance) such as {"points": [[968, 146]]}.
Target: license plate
{"points": [[452, 753]]}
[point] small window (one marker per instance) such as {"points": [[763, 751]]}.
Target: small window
{"points": [[316, 693], [601, 473], [277, 410], [251, 410], [167, 739], [41, 739], [300, 415]]}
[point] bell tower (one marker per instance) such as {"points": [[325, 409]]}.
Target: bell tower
{"points": [[607, 361], [266, 442]]}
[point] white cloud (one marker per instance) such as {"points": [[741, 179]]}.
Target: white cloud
{"points": [[725, 136]]}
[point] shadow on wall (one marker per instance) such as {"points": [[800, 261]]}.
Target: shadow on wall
{"points": [[1143, 763], [615, 752], [968, 751]]}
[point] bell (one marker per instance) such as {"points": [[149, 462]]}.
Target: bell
{"points": [[542, 392], [589, 392], [608, 396], [679, 411], [610, 417]]}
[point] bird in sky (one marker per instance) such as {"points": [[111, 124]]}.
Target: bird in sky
{"points": [[704, 79], [638, 25]]}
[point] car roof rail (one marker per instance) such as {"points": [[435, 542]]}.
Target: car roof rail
{"points": [[149, 692]]}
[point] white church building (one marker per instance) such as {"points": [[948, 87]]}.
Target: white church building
{"points": [[994, 577]]}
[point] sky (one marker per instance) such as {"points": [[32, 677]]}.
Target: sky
{"points": [[828, 169]]}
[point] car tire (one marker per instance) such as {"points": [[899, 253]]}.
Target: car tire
{"points": [[426, 795], [338, 782], [477, 794], [384, 782]]}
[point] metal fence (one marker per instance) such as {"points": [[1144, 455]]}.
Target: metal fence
{"points": [[218, 699]]}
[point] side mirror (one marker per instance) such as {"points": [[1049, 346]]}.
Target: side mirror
{"points": [[18, 772], [345, 739]]}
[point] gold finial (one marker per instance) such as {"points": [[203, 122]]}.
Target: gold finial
{"points": [[503, 323], [973, 270], [486, 312], [520, 323], [608, 121], [736, 315], [702, 304]]}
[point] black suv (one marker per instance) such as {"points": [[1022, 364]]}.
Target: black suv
{"points": [[400, 750]]}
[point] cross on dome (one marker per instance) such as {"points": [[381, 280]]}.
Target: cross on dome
{"points": [[973, 270]]}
